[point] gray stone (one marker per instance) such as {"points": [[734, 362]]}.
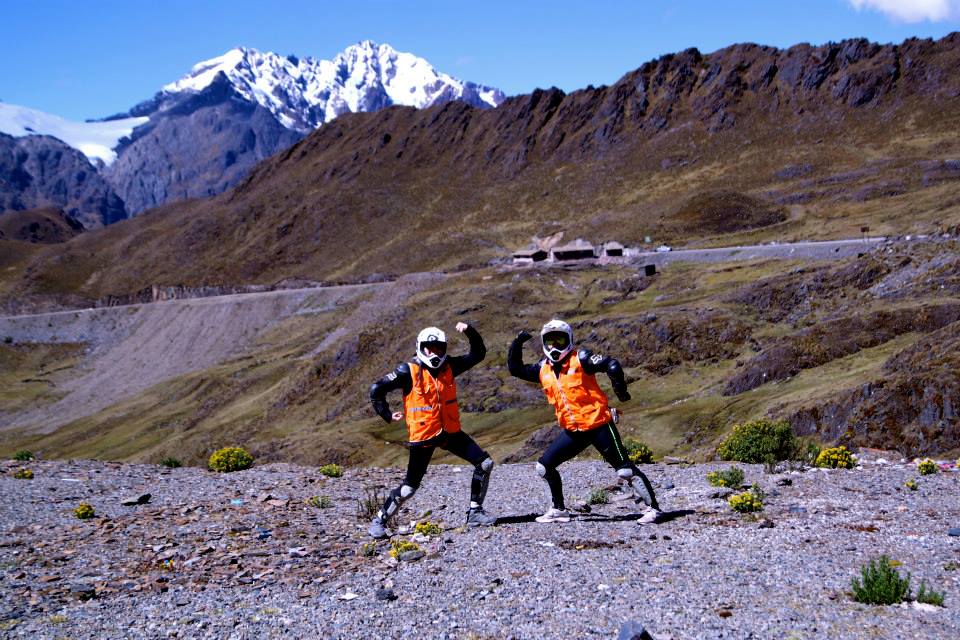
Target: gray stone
{"points": [[411, 556], [633, 631], [132, 501], [83, 591], [386, 595], [954, 531]]}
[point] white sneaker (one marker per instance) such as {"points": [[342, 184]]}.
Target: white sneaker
{"points": [[650, 516], [555, 515]]}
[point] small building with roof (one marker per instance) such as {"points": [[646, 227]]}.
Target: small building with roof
{"points": [[612, 250], [529, 256], [576, 250]]}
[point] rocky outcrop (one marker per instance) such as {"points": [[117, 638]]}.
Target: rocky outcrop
{"points": [[40, 171], [195, 146], [913, 408], [835, 339]]}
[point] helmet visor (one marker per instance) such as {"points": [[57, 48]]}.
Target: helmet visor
{"points": [[438, 349], [556, 340]]}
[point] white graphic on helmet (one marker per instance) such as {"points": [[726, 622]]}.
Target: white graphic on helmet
{"points": [[557, 339], [432, 347]]}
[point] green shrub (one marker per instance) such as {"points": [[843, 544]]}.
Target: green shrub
{"points": [[808, 452], [749, 501], [332, 470], [598, 496], [637, 451], [880, 583], [929, 597], [230, 459], [320, 502], [730, 477], [367, 549], [835, 458], [171, 463], [911, 484], [398, 547], [23, 474], [428, 528], [84, 511], [369, 505], [761, 441], [23, 456], [927, 467]]}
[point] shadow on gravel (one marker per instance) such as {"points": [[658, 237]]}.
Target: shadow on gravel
{"points": [[666, 516]]}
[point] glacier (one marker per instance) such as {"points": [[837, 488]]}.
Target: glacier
{"points": [[96, 140]]}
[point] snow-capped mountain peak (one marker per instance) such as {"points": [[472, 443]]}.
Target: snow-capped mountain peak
{"points": [[303, 93]]}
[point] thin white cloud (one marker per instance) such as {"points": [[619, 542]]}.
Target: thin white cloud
{"points": [[912, 10]]}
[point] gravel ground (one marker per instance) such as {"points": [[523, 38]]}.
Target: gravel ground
{"points": [[243, 555]]}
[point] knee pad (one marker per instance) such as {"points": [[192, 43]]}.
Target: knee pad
{"points": [[542, 470], [626, 473], [486, 465], [406, 491]]}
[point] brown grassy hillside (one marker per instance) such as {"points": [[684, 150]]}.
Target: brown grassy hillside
{"points": [[43, 226], [818, 140], [860, 351]]}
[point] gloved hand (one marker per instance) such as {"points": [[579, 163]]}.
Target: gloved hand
{"points": [[522, 337], [623, 396]]}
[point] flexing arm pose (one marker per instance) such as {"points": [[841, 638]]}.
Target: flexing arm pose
{"points": [[592, 364], [568, 379], [432, 415], [400, 377]]}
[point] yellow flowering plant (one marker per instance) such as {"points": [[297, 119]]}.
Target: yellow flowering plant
{"points": [[230, 459], [835, 458], [927, 467], [399, 547]]}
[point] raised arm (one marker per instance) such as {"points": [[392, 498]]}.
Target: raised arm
{"points": [[595, 363], [478, 350], [528, 372], [397, 379]]}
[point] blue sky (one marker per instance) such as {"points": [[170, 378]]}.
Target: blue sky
{"points": [[91, 58]]}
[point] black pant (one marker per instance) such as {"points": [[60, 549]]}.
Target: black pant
{"points": [[459, 444], [606, 440]]}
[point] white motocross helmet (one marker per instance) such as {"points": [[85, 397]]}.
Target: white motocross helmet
{"points": [[432, 347], [557, 339]]}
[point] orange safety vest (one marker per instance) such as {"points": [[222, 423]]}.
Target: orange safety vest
{"points": [[580, 403], [431, 406]]}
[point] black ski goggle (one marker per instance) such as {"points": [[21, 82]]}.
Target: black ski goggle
{"points": [[434, 348], [556, 341]]}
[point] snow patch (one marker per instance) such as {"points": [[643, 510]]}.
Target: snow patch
{"points": [[96, 140]]}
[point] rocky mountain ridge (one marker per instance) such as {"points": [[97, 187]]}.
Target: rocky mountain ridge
{"points": [[202, 133], [787, 128]]}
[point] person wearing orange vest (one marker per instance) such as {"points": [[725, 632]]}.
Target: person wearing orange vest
{"points": [[433, 420], [568, 379]]}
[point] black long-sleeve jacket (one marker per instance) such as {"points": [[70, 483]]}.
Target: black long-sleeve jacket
{"points": [[592, 363], [400, 378]]}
